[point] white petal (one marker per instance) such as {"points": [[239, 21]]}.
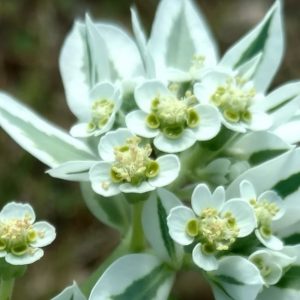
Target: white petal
{"points": [[244, 215], [136, 122], [273, 197], [101, 181], [139, 189], [80, 130], [204, 261], [47, 235], [13, 210], [203, 93], [177, 220], [260, 121], [202, 198], [169, 167], [247, 190], [210, 123], [238, 127], [272, 242], [3, 254], [102, 90], [185, 141], [111, 140], [147, 91], [25, 259]]}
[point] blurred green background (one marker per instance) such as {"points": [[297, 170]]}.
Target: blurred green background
{"points": [[31, 34]]}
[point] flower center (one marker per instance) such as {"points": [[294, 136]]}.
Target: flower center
{"points": [[215, 232], [133, 163], [101, 112], [264, 269], [172, 115], [234, 99], [265, 211], [17, 234]]}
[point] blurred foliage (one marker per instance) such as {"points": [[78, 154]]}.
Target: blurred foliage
{"points": [[31, 34]]}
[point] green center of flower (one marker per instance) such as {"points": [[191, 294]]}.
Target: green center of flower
{"points": [[172, 115], [101, 112], [16, 235], [234, 99], [133, 163], [216, 232], [264, 269], [265, 211]]}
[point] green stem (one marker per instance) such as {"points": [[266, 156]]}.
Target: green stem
{"points": [[6, 289], [137, 242]]}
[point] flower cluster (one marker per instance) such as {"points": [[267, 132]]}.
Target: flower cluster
{"points": [[199, 143]]}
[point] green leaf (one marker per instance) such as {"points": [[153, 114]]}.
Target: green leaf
{"points": [[264, 155], [48, 143], [112, 211], [236, 279], [154, 220], [291, 279], [257, 147], [70, 293], [264, 38], [134, 276], [179, 32]]}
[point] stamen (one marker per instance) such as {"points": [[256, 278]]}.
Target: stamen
{"points": [[234, 99], [133, 163]]}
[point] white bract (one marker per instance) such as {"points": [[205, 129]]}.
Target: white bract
{"points": [[20, 237], [100, 111], [213, 224], [236, 99], [268, 207], [128, 166], [174, 122]]}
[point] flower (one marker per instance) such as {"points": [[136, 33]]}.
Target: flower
{"points": [[128, 165], [100, 111], [174, 122], [213, 223], [268, 207], [20, 237], [236, 99], [271, 264]]}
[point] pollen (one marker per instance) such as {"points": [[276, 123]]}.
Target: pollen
{"points": [[133, 163], [172, 115], [214, 231], [17, 234]]}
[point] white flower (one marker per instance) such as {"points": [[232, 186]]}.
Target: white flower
{"points": [[236, 98], [271, 264], [213, 223], [175, 123], [20, 237], [268, 207], [128, 166], [99, 111]]}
